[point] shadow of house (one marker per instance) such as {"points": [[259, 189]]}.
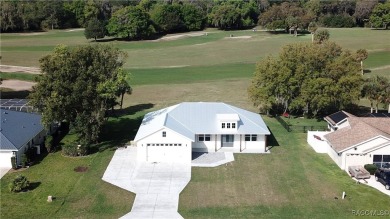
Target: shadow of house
{"points": [[272, 141]]}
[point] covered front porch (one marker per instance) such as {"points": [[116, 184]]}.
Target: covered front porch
{"points": [[236, 143]]}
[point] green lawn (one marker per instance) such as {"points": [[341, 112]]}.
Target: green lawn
{"points": [[18, 76], [77, 194], [291, 182], [180, 58]]}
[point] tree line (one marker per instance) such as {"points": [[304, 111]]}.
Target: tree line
{"points": [[143, 18], [315, 79]]}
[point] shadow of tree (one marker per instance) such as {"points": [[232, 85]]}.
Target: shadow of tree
{"points": [[33, 185], [7, 94], [120, 129]]}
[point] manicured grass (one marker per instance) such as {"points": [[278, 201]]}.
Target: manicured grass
{"points": [[377, 59], [191, 74], [76, 194], [18, 76], [215, 49], [291, 182], [304, 122]]}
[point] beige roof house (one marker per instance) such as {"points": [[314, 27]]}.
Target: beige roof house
{"points": [[358, 140]]}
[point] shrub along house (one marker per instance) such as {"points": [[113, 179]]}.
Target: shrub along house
{"points": [[359, 141], [173, 133], [18, 132]]}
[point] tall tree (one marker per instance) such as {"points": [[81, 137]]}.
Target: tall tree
{"points": [[380, 16], [307, 77], [361, 55], [78, 85], [312, 29], [321, 36], [130, 22], [95, 29], [363, 10], [168, 17], [372, 91]]}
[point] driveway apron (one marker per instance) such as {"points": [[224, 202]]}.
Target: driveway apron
{"points": [[157, 185]]}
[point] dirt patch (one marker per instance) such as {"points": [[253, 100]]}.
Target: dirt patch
{"points": [[80, 169], [32, 34], [76, 29], [178, 36], [17, 85], [239, 37], [21, 69], [380, 68]]}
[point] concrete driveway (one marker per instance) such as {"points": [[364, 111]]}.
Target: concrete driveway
{"points": [[157, 185], [3, 171], [377, 185]]}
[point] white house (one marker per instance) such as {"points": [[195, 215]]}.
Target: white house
{"points": [[18, 132], [358, 141], [173, 133]]}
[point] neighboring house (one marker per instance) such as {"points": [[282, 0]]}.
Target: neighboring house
{"points": [[358, 141], [337, 120], [173, 133], [18, 132]]}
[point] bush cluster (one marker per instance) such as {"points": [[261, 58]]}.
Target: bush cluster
{"points": [[371, 168], [19, 184], [73, 150]]}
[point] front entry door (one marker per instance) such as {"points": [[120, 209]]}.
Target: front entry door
{"points": [[227, 140]]}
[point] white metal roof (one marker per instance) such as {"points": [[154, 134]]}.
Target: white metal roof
{"points": [[228, 117], [191, 118]]}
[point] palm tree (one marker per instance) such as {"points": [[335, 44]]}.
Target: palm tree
{"points": [[361, 55]]}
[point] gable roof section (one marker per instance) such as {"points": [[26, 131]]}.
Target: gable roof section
{"points": [[17, 128], [191, 118], [359, 130]]}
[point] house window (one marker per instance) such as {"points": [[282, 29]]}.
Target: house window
{"points": [[254, 137], [233, 125], [382, 161], [228, 125], [223, 125], [250, 137], [164, 134], [203, 138]]}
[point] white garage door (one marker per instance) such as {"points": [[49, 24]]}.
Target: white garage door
{"points": [[167, 152], [5, 159], [354, 160]]}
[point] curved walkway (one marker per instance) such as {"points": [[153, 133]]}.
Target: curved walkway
{"points": [[157, 185]]}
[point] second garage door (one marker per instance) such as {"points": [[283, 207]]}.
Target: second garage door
{"points": [[168, 152]]}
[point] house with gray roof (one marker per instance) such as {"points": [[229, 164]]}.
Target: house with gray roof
{"points": [[355, 140], [173, 133], [18, 132]]}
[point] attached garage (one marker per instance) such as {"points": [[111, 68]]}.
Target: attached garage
{"points": [[167, 152], [5, 159]]}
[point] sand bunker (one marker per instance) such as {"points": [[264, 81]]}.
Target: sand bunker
{"points": [[17, 85], [239, 37], [22, 69]]}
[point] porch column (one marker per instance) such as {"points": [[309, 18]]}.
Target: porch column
{"points": [[215, 140], [240, 143]]}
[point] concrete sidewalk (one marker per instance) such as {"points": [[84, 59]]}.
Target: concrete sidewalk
{"points": [[157, 185]]}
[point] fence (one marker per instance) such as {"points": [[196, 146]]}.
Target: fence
{"points": [[300, 128]]}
